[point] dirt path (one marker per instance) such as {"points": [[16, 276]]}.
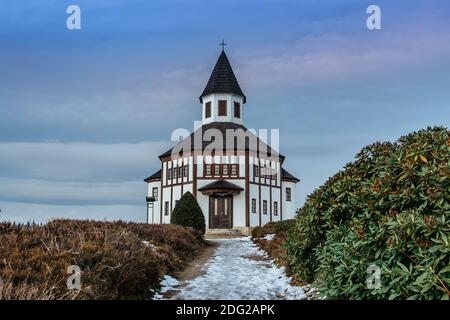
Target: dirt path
{"points": [[231, 268], [195, 268]]}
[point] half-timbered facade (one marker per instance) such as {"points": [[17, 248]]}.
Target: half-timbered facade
{"points": [[238, 180]]}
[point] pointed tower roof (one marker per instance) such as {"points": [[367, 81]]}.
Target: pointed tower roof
{"points": [[222, 79]]}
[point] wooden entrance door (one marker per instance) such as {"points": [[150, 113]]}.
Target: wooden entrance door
{"points": [[220, 212]]}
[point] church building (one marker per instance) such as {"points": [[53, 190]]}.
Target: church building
{"points": [[238, 180]]}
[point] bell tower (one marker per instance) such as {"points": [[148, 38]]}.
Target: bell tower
{"points": [[222, 99]]}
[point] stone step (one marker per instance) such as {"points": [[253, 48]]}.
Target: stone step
{"points": [[223, 231]]}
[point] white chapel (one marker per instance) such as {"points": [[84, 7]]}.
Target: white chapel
{"points": [[237, 179]]}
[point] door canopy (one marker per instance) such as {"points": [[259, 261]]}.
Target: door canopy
{"points": [[221, 187]]}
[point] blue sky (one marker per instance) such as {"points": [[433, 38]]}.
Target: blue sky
{"points": [[84, 114]]}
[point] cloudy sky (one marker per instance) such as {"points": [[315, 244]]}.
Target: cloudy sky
{"points": [[85, 113]]}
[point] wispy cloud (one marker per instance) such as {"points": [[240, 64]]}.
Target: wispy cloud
{"points": [[335, 56], [79, 161], [24, 212]]}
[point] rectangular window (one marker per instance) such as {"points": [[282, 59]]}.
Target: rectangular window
{"points": [[288, 194], [255, 171], [208, 110], [237, 110], [265, 206], [186, 171], [253, 205], [166, 208], [234, 169], [175, 173], [216, 170], [275, 208], [155, 193], [225, 170], [169, 173], [208, 172], [180, 172], [261, 171], [222, 107]]}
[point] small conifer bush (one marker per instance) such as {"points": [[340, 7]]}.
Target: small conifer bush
{"points": [[188, 213]]}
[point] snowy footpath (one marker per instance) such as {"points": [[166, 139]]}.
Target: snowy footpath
{"points": [[238, 270]]}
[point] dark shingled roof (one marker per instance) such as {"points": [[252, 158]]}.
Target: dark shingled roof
{"points": [[222, 127], [221, 184], [222, 79], [287, 176], [155, 176]]}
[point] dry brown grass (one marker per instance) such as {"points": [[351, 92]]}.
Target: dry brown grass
{"points": [[115, 263]]}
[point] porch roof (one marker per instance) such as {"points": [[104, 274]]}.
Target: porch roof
{"points": [[221, 186]]}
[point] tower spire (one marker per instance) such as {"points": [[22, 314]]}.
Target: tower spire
{"points": [[222, 79]]}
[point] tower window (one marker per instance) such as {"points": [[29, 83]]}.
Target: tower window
{"points": [[222, 107], [288, 194], [237, 110], [208, 110]]}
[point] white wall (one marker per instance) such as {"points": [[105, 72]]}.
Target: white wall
{"points": [[154, 214], [289, 207]]}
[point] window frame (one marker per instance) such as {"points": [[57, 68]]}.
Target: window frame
{"points": [[255, 171], [208, 110], [216, 166], [237, 107], [275, 208], [208, 166], [222, 108], [166, 208], [253, 205], [227, 169], [235, 166], [288, 194], [186, 171], [264, 206], [153, 193]]}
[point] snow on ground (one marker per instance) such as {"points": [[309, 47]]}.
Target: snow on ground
{"points": [[269, 237], [238, 270]]}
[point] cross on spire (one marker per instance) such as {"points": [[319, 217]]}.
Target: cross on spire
{"points": [[223, 44]]}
